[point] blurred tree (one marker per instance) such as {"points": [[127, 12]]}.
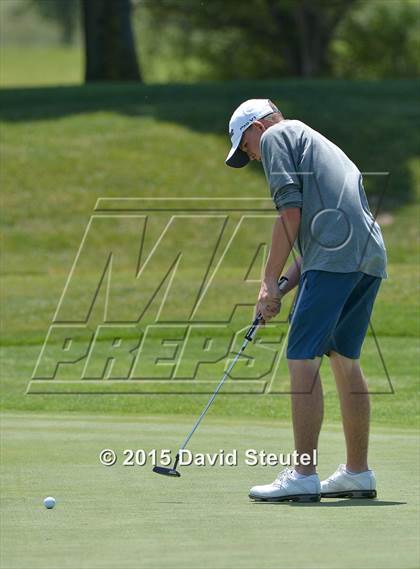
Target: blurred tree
{"points": [[109, 42], [65, 13], [379, 40], [287, 37], [304, 29]]}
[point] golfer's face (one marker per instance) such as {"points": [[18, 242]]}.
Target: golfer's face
{"points": [[251, 142]]}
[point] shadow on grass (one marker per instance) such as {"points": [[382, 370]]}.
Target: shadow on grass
{"points": [[365, 118], [336, 504]]}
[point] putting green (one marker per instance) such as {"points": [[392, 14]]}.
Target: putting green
{"points": [[126, 516]]}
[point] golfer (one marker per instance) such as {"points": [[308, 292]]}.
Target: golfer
{"points": [[325, 216]]}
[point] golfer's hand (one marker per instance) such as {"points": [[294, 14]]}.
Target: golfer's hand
{"points": [[269, 300]]}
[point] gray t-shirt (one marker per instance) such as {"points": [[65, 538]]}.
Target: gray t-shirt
{"points": [[338, 232]]}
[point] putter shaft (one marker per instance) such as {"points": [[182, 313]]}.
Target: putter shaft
{"points": [[249, 336]]}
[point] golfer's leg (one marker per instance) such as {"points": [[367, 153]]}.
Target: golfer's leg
{"points": [[355, 409], [307, 407]]}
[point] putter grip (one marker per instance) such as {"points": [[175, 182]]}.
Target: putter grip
{"points": [[253, 328]]}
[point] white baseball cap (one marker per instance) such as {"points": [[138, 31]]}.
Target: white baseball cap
{"points": [[243, 117]]}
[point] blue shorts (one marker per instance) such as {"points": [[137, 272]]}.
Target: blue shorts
{"points": [[331, 312]]}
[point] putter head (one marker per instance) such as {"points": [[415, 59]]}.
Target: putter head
{"points": [[166, 471]]}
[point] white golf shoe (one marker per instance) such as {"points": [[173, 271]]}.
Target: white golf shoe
{"points": [[341, 484], [288, 488]]}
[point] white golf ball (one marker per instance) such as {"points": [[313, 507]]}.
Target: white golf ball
{"points": [[49, 502]]}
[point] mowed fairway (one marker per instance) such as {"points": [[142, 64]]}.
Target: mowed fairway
{"points": [[126, 516]]}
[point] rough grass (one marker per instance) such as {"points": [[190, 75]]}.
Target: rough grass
{"points": [[394, 402], [63, 148], [40, 65]]}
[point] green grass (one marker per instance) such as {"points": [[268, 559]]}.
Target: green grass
{"points": [[26, 66], [126, 516], [399, 409], [351, 113], [62, 149]]}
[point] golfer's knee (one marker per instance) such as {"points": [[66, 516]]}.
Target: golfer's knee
{"points": [[303, 366], [303, 373], [337, 356], [347, 365]]}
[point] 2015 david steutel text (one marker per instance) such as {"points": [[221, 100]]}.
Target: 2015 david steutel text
{"points": [[248, 457]]}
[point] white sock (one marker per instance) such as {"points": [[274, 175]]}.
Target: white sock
{"points": [[298, 476], [354, 473]]}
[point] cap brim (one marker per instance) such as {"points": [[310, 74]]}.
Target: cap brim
{"points": [[237, 158]]}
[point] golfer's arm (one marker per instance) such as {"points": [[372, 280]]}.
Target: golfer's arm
{"points": [[293, 275], [285, 230]]}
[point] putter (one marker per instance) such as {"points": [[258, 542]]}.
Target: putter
{"points": [[249, 336]]}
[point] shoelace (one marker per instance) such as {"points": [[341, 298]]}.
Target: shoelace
{"points": [[338, 472], [333, 478], [282, 476]]}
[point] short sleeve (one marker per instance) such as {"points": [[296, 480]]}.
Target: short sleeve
{"points": [[279, 155]]}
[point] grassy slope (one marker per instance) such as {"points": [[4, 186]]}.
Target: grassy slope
{"points": [[64, 148], [23, 66]]}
